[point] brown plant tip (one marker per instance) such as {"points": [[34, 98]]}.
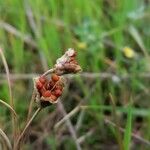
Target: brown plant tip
{"points": [[67, 63], [48, 90]]}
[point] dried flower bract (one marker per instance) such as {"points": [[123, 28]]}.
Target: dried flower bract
{"points": [[67, 63]]}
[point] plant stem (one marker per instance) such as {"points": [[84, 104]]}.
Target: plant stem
{"points": [[31, 104], [6, 139], [48, 72], [26, 127], [14, 120], [9, 107]]}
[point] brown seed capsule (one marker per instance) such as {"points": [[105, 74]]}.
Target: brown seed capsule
{"points": [[58, 93], [46, 94], [39, 85], [42, 80], [55, 77], [53, 97], [59, 87], [42, 91]]}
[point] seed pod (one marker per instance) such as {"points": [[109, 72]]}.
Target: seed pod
{"points": [[53, 97], [58, 93], [42, 91], [59, 87], [55, 77], [46, 94], [39, 85], [42, 80]]}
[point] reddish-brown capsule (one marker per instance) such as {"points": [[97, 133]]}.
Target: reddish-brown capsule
{"points": [[53, 97], [39, 85], [58, 93], [55, 77], [59, 87], [42, 80], [46, 94], [42, 90]]}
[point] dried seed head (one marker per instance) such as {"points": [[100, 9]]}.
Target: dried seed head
{"points": [[67, 63], [48, 90]]}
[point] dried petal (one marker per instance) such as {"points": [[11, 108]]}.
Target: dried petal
{"points": [[67, 63], [71, 52]]}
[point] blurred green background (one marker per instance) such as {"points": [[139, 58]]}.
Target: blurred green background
{"points": [[112, 38]]}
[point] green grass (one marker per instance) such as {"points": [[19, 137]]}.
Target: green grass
{"points": [[98, 30], [127, 136]]}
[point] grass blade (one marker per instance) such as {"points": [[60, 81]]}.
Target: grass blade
{"points": [[136, 36], [128, 129], [10, 92], [8, 76], [8, 106], [118, 133], [6, 139]]}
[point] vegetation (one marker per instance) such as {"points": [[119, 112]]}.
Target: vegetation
{"points": [[104, 107]]}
